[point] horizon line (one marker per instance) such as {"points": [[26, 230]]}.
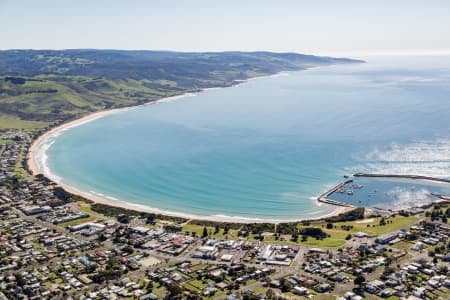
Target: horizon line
{"points": [[411, 52]]}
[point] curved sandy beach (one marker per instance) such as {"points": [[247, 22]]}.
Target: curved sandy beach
{"points": [[37, 165]]}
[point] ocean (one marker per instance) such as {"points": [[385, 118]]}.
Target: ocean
{"points": [[266, 148]]}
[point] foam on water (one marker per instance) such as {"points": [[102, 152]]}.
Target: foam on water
{"points": [[428, 158]]}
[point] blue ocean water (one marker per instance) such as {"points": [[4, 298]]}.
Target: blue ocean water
{"points": [[266, 148]]}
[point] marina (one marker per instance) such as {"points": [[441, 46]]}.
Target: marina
{"points": [[388, 191], [324, 198]]}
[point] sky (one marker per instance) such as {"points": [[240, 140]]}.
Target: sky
{"points": [[329, 27]]}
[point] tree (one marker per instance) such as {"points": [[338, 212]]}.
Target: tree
{"points": [[174, 291], [149, 287], [123, 219], [102, 237], [150, 219], [295, 237], [329, 225], [20, 280], [205, 232], [128, 249], [270, 294], [359, 281], [388, 261], [443, 269], [260, 236], [286, 286]]}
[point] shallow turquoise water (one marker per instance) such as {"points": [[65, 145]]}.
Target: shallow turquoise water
{"points": [[266, 148]]}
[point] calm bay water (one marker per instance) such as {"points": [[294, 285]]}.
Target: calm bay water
{"points": [[268, 147]]}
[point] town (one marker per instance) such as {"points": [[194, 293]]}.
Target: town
{"points": [[55, 245]]}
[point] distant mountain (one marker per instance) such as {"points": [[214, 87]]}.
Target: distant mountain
{"points": [[113, 64], [56, 85]]}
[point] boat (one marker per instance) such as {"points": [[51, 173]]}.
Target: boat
{"points": [[357, 186]]}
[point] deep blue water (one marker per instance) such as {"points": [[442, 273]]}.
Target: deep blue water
{"points": [[267, 147]]}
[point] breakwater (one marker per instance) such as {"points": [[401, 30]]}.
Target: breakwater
{"points": [[324, 197], [416, 177]]}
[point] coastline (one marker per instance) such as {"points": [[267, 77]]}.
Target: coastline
{"points": [[32, 159], [36, 165], [101, 199]]}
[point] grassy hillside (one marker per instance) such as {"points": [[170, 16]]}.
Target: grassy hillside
{"points": [[40, 88]]}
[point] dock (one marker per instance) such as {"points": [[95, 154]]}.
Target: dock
{"points": [[324, 197]]}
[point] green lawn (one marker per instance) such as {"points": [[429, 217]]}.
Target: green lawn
{"points": [[336, 240], [86, 207], [259, 289], [194, 285], [76, 222], [18, 167], [198, 229], [337, 235], [159, 292], [199, 267], [291, 295], [397, 223], [6, 142], [197, 283]]}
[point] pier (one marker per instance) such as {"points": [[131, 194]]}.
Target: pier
{"points": [[324, 197], [442, 197], [416, 177]]}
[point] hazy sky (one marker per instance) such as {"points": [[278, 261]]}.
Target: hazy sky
{"points": [[316, 26]]}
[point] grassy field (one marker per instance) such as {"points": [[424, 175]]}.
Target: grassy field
{"points": [[18, 167], [373, 227], [76, 222], [13, 122], [199, 267], [369, 226], [194, 285], [259, 289], [232, 234], [291, 295], [6, 142], [48, 98], [86, 207], [337, 234]]}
